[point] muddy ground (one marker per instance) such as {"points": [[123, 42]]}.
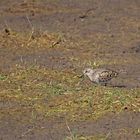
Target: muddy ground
{"points": [[91, 33]]}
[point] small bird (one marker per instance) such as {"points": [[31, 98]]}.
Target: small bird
{"points": [[100, 75]]}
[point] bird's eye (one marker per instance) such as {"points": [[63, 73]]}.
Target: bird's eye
{"points": [[86, 71]]}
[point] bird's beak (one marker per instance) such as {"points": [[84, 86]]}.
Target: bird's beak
{"points": [[81, 76]]}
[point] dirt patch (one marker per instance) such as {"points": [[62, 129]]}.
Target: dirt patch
{"points": [[112, 127], [113, 124]]}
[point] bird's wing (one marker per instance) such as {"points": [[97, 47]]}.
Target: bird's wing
{"points": [[107, 75]]}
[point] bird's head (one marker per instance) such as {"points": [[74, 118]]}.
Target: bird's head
{"points": [[87, 71]]}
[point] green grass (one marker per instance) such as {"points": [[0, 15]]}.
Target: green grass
{"points": [[38, 92], [54, 93], [34, 91]]}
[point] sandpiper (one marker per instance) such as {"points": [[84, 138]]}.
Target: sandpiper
{"points": [[100, 75]]}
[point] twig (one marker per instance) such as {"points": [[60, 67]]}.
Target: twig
{"points": [[56, 43], [7, 27], [69, 129], [31, 26], [107, 136]]}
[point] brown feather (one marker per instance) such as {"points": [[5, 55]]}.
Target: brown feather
{"points": [[107, 75]]}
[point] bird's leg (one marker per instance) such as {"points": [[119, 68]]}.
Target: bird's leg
{"points": [[105, 84]]}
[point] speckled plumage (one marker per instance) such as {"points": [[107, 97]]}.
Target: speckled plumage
{"points": [[100, 75]]}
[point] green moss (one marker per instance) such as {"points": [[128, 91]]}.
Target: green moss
{"points": [[2, 77]]}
